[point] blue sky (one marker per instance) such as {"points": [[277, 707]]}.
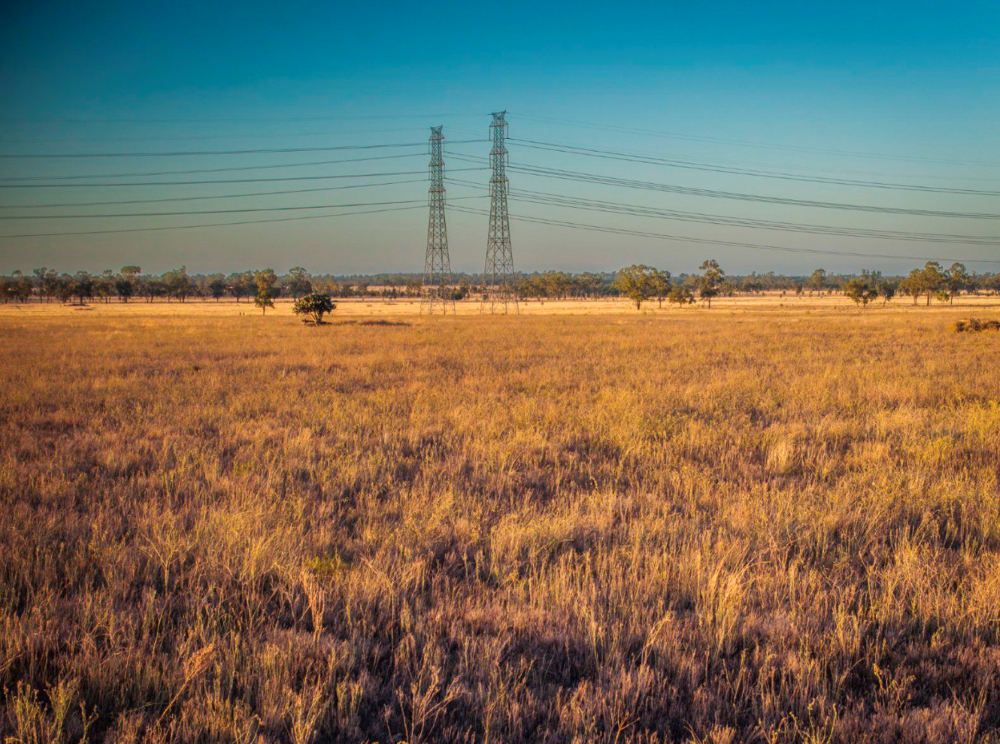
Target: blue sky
{"points": [[910, 90]]}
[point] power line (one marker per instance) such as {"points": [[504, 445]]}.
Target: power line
{"points": [[803, 169], [199, 138], [762, 145], [784, 176], [591, 206], [755, 246], [737, 196], [212, 224], [210, 211], [254, 120], [548, 199], [142, 174], [189, 153], [213, 196], [214, 181]]}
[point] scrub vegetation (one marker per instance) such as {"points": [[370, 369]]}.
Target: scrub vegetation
{"points": [[777, 525]]}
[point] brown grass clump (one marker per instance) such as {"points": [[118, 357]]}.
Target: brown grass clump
{"points": [[972, 325], [673, 527]]}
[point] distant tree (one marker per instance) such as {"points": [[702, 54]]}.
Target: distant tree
{"points": [[153, 288], [265, 281], [40, 275], [217, 287], [661, 286], [16, 287], [48, 283], [9, 288], [636, 282], [911, 285], [178, 283], [20, 287], [956, 280], [83, 286], [314, 307], [64, 287], [104, 285], [818, 279], [708, 284], [680, 295], [124, 286], [885, 289], [751, 283], [932, 280], [241, 284], [861, 290], [798, 289], [298, 283]]}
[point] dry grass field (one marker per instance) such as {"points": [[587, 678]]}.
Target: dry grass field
{"points": [[751, 524]]}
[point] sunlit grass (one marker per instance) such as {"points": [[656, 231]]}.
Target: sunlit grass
{"points": [[753, 523]]}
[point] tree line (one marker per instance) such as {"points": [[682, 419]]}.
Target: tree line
{"points": [[638, 282], [177, 285], [641, 283]]}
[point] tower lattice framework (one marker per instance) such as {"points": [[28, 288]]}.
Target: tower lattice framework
{"points": [[501, 289], [437, 290]]}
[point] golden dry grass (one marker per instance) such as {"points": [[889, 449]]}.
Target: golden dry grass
{"points": [[746, 524]]}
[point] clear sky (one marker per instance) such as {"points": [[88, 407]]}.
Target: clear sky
{"points": [[892, 92]]}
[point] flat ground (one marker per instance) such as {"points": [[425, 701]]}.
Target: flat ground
{"points": [[774, 521]]}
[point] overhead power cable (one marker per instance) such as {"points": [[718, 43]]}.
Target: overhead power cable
{"points": [[199, 138], [591, 206], [560, 200], [216, 181], [191, 153], [250, 120], [215, 211], [212, 196], [214, 224], [142, 174], [800, 169], [783, 176], [738, 196], [760, 145], [755, 246]]}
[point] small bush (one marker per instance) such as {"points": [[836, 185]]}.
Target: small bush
{"points": [[314, 307], [974, 325]]}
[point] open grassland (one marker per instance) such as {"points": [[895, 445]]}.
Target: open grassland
{"points": [[776, 525], [384, 307]]}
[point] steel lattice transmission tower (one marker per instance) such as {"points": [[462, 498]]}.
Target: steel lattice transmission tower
{"points": [[501, 290], [437, 264]]}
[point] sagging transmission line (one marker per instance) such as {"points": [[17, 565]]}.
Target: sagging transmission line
{"points": [[194, 153], [581, 177], [271, 166], [215, 224], [212, 196], [783, 176], [214, 181], [594, 205], [759, 145], [210, 211], [708, 241]]}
